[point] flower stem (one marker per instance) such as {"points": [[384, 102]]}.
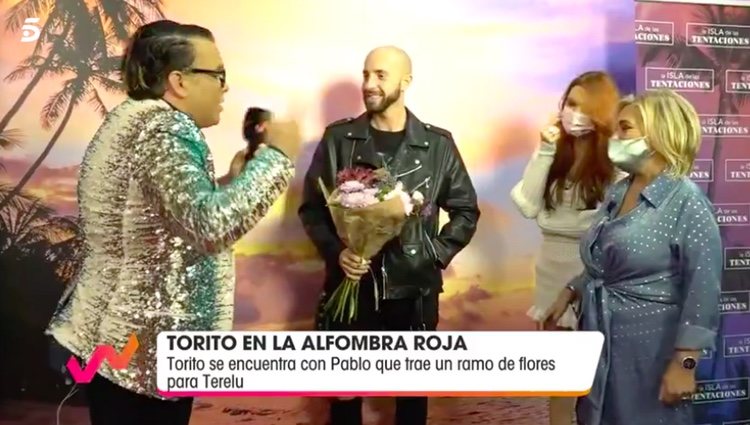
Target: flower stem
{"points": [[344, 298], [344, 301]]}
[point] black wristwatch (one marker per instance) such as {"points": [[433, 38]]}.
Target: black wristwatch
{"points": [[689, 363]]}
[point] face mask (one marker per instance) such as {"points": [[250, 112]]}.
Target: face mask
{"points": [[575, 123], [629, 154]]}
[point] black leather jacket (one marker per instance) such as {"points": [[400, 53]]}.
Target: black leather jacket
{"points": [[428, 161]]}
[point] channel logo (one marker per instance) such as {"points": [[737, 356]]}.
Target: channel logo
{"points": [[117, 361]]}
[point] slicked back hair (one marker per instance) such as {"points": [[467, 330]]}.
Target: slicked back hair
{"points": [[155, 50]]}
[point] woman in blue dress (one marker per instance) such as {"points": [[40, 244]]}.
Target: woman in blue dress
{"points": [[652, 270]]}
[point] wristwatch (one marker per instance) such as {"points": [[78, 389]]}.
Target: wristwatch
{"points": [[688, 362]]}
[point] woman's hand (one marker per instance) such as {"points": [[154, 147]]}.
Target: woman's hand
{"points": [[238, 163], [550, 136], [558, 308], [677, 384], [235, 168]]}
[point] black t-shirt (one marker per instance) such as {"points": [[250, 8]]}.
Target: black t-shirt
{"points": [[387, 142]]}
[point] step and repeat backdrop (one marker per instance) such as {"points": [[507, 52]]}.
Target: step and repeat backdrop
{"points": [[702, 51]]}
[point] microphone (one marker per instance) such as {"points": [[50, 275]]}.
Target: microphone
{"points": [[253, 128]]}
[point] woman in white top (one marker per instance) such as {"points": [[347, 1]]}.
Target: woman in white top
{"points": [[561, 188]]}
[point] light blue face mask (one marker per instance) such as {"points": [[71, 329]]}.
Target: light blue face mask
{"points": [[629, 154]]}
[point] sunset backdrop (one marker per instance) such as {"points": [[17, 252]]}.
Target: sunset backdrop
{"points": [[491, 72]]}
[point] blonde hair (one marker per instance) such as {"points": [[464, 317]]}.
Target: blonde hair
{"points": [[671, 127]]}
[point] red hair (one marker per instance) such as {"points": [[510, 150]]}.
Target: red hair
{"points": [[596, 171]]}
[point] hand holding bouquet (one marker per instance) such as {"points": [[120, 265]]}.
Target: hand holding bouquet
{"points": [[369, 208]]}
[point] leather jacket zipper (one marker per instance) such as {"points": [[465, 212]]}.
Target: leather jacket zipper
{"points": [[385, 279], [432, 247], [351, 154], [377, 291], [424, 232], [424, 182], [408, 172]]}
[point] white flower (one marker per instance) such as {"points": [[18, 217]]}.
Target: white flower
{"points": [[409, 201], [406, 200], [397, 191]]}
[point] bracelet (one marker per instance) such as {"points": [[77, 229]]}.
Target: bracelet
{"points": [[572, 290]]}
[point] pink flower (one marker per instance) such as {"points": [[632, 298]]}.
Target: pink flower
{"points": [[360, 174], [352, 199], [357, 199], [350, 186], [370, 199]]}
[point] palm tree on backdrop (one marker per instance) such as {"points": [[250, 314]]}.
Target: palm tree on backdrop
{"points": [[55, 29], [84, 55], [119, 17], [40, 255], [9, 139], [71, 28], [31, 230], [85, 52], [680, 55], [28, 227]]}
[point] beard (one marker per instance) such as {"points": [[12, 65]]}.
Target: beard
{"points": [[383, 102]]}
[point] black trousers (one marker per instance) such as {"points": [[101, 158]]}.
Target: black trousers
{"points": [[111, 404], [393, 315]]}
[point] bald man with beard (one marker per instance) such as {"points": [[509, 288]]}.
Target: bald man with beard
{"points": [[399, 287]]}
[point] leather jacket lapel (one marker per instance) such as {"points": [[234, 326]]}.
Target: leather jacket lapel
{"points": [[408, 159], [361, 149]]}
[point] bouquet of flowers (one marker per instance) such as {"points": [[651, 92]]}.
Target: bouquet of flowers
{"points": [[369, 208]]}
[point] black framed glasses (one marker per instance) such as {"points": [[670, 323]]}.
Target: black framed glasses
{"points": [[219, 75]]}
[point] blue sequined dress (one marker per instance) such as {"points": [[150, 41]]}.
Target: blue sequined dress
{"points": [[651, 283]]}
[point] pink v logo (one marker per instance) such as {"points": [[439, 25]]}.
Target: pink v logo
{"points": [[102, 352]]}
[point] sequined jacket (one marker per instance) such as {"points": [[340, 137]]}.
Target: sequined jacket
{"points": [[158, 232]]}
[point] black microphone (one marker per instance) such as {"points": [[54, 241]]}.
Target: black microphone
{"points": [[252, 128]]}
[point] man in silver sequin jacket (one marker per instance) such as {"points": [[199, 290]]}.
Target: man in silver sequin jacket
{"points": [[158, 225]]}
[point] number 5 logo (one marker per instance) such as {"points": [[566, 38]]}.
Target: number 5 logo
{"points": [[30, 31]]}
